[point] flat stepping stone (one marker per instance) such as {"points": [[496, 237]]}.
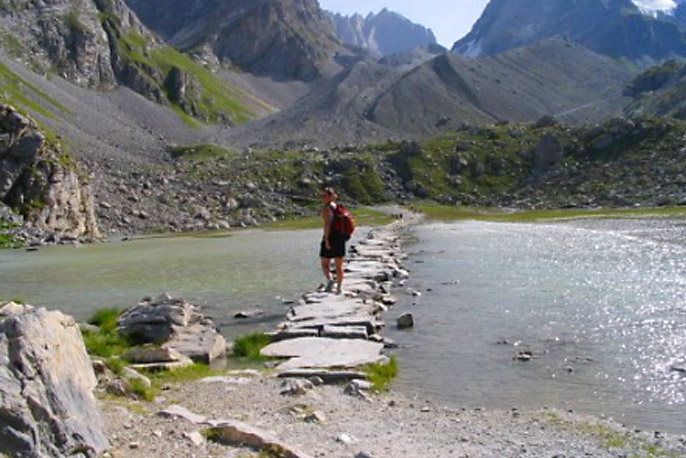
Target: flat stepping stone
{"points": [[312, 352], [372, 324], [327, 376], [336, 307]]}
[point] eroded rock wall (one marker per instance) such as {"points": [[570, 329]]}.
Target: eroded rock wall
{"points": [[41, 182]]}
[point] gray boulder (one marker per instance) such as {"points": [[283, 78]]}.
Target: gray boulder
{"points": [[47, 407], [175, 324]]}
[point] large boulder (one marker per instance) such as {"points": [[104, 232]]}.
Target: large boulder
{"points": [[47, 407], [176, 324]]}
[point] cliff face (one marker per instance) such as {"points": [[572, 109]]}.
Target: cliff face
{"points": [[41, 182], [282, 38], [66, 36], [383, 34]]}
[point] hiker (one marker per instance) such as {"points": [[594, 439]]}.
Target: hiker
{"points": [[333, 242]]}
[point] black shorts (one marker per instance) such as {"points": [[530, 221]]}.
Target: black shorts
{"points": [[337, 250]]}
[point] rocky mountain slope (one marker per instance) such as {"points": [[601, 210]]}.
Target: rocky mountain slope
{"points": [[383, 33], [102, 45], [554, 78], [617, 28], [278, 38], [659, 91]]}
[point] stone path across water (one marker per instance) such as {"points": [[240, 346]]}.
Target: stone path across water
{"points": [[330, 331]]}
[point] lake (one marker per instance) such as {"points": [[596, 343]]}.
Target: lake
{"points": [[598, 304]]}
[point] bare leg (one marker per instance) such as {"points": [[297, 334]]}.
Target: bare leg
{"points": [[326, 268], [339, 274]]}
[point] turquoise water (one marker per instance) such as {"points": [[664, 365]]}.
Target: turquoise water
{"points": [[245, 271], [601, 306]]}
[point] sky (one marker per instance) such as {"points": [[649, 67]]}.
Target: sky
{"points": [[450, 20]]}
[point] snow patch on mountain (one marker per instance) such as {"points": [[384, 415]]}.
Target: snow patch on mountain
{"points": [[656, 6]]}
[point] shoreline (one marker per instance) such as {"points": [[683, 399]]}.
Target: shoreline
{"points": [[325, 421]]}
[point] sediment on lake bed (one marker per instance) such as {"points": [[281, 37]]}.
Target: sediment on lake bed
{"points": [[310, 418]]}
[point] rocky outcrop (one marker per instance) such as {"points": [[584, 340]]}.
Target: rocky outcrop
{"points": [[382, 34], [42, 182], [47, 407], [177, 325], [285, 38]]}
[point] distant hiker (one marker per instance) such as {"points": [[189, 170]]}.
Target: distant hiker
{"points": [[333, 242]]}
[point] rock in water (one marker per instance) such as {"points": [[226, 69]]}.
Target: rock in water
{"points": [[47, 407], [405, 321]]}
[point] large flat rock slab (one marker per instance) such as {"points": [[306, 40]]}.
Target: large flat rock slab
{"points": [[331, 307], [317, 352]]}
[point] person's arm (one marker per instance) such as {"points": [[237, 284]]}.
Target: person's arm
{"points": [[327, 217]]}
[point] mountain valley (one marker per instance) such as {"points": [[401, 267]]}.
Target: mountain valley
{"points": [[234, 114]]}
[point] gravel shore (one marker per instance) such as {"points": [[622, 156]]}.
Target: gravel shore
{"points": [[326, 422]]}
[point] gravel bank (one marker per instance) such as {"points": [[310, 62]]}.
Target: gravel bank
{"points": [[384, 425]]}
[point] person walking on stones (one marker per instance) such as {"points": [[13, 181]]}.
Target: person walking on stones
{"points": [[333, 243]]}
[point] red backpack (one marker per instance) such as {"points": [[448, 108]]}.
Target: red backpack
{"points": [[343, 221]]}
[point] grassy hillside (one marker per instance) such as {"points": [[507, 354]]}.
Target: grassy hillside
{"points": [[196, 92], [617, 164]]}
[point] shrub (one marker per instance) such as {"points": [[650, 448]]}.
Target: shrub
{"points": [[249, 346], [381, 374]]}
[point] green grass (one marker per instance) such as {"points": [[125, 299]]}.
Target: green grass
{"points": [[364, 216], [7, 240], [195, 371], [217, 100], [105, 319], [631, 446], [382, 374], [199, 152], [249, 346], [106, 342], [15, 90], [447, 213]]}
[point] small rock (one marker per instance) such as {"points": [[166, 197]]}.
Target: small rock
{"points": [[524, 355], [345, 439], [316, 417], [195, 438], [295, 387], [405, 321], [364, 455]]}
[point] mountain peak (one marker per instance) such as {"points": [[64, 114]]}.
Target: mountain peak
{"points": [[383, 33], [617, 28]]}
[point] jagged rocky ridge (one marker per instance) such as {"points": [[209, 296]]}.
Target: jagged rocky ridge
{"points": [[383, 34], [278, 38]]}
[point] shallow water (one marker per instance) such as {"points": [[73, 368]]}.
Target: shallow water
{"points": [[600, 305], [245, 271]]}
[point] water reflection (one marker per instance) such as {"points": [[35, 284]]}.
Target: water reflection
{"points": [[248, 270], [600, 305]]}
